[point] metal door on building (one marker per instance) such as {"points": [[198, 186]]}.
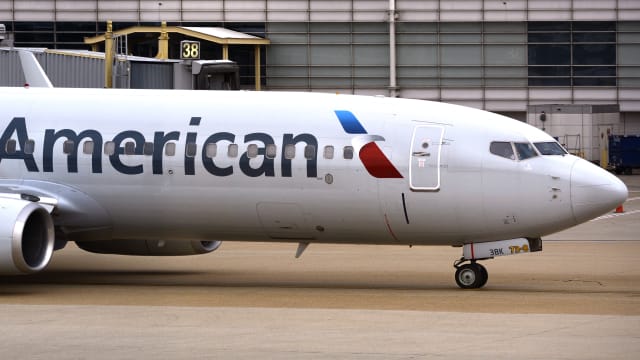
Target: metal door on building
{"points": [[424, 169]]}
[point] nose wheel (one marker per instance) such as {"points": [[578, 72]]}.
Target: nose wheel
{"points": [[470, 276]]}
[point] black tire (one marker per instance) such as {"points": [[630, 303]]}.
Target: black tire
{"points": [[485, 275], [469, 276]]}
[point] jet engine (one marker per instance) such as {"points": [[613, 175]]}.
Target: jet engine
{"points": [[149, 247], [26, 237]]}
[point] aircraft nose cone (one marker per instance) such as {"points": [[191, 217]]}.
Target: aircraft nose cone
{"points": [[594, 191]]}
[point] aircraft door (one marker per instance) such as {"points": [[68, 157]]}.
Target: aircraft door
{"points": [[424, 169]]}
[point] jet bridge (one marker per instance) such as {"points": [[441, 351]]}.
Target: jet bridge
{"points": [[221, 36], [207, 75], [84, 69]]}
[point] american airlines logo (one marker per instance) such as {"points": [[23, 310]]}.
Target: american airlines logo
{"points": [[372, 157], [125, 150]]}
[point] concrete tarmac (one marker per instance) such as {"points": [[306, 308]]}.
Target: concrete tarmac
{"points": [[577, 299]]}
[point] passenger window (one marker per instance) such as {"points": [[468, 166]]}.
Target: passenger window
{"points": [[191, 149], [525, 151], [271, 151], [233, 150], [87, 147], [148, 148], [289, 151], [170, 149], [252, 151], [109, 148], [29, 147], [129, 148], [328, 152], [309, 152], [11, 146], [211, 150], [348, 152], [502, 149], [67, 147]]}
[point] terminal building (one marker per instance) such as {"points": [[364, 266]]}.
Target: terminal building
{"points": [[513, 57]]}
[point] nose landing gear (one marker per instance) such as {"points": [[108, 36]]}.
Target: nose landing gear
{"points": [[474, 275], [470, 276]]}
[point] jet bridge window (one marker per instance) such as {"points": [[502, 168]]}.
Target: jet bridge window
{"points": [[550, 148], [502, 149], [525, 151]]}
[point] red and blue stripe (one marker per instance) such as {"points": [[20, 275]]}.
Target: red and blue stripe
{"points": [[372, 157]]}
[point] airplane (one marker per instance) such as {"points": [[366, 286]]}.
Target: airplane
{"points": [[176, 172]]}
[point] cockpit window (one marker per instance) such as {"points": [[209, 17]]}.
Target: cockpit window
{"points": [[525, 150], [550, 148], [503, 149]]}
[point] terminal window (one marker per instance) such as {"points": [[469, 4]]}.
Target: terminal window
{"points": [[572, 53]]}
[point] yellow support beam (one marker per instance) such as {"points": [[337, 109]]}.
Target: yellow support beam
{"points": [[108, 56], [257, 67], [225, 51], [163, 43]]}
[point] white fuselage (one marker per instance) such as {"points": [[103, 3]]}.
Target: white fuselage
{"points": [[452, 189]]}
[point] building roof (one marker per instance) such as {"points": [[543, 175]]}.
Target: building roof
{"points": [[226, 35], [217, 35]]}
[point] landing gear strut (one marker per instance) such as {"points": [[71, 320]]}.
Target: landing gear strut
{"points": [[474, 275], [470, 276]]}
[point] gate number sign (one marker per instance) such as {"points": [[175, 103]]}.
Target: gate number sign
{"points": [[189, 50]]}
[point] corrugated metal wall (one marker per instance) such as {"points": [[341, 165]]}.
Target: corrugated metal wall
{"points": [[63, 70], [146, 75], [10, 69], [83, 71], [72, 71]]}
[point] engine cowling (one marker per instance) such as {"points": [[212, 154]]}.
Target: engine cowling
{"points": [[26, 237], [149, 247]]}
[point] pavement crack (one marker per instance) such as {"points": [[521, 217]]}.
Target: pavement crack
{"points": [[584, 281]]}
